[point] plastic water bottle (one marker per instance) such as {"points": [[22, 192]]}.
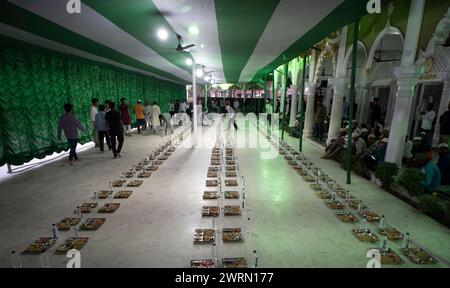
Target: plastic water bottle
{"points": [[54, 231], [360, 207], [78, 212], [75, 231], [381, 224], [384, 243], [95, 197], [15, 260], [406, 241], [256, 259]]}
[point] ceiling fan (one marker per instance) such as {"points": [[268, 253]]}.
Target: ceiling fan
{"points": [[181, 48]]}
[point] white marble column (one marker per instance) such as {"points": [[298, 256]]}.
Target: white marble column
{"points": [[339, 85], [406, 76], [363, 104], [294, 105], [336, 109], [310, 92]]}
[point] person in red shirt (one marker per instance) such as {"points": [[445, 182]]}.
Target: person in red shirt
{"points": [[125, 116]]}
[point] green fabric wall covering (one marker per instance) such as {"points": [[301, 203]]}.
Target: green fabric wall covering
{"points": [[35, 86]]}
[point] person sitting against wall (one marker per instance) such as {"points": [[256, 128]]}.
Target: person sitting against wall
{"points": [[336, 147], [377, 131], [417, 147], [374, 157], [432, 174], [444, 164], [365, 134]]}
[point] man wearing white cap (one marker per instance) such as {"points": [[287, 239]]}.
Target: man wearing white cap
{"points": [[360, 145], [417, 146], [444, 164], [427, 123]]}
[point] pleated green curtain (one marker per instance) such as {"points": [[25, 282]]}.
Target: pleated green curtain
{"points": [[35, 86]]}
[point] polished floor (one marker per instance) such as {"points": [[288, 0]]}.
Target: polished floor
{"points": [[289, 225]]}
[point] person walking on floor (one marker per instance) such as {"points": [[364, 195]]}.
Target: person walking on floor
{"points": [[93, 113], [115, 128], [171, 109], [156, 111], [125, 116], [427, 123], [444, 123], [148, 114], [70, 124], [231, 117], [140, 116], [102, 127], [177, 107]]}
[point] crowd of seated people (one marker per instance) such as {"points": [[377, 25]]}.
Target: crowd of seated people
{"points": [[369, 150]]}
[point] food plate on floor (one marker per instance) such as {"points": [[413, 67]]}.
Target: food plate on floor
{"points": [[109, 208], [92, 224], [232, 210], [118, 183], [232, 235], [206, 263], [72, 243], [210, 211], [210, 195], [41, 245], [418, 256], [234, 263], [123, 194], [67, 223], [135, 183], [365, 235], [204, 236], [87, 207], [232, 195], [145, 174]]}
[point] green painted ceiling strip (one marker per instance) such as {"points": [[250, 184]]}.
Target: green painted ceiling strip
{"points": [[142, 19], [240, 25], [20, 18], [337, 19]]}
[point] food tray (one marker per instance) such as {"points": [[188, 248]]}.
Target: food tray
{"points": [[232, 235], [302, 172], [204, 236], [67, 223], [309, 178], [135, 183], [347, 217], [229, 158], [292, 162], [231, 168], [145, 174], [104, 194], [365, 235], [230, 210], [109, 208], [418, 256], [391, 233], [215, 162], [151, 168], [316, 187], [281, 152], [145, 162], [213, 168], [215, 158], [234, 262], [87, 207], [371, 216], [139, 168], [230, 174], [72, 243], [210, 195], [324, 195], [343, 194], [158, 162], [213, 174], [172, 149], [288, 158], [123, 194], [128, 174], [231, 183], [232, 162], [41, 245], [168, 154], [92, 224], [389, 257], [212, 183], [336, 205], [210, 211], [232, 195], [206, 263], [118, 183]]}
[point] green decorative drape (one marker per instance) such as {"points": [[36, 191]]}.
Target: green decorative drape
{"points": [[35, 86]]}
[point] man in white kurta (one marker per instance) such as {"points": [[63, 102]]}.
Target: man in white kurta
{"points": [[155, 112]]}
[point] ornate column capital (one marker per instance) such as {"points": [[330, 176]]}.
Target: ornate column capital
{"points": [[407, 79]]}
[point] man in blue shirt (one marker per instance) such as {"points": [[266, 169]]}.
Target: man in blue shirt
{"points": [[432, 174], [102, 128]]}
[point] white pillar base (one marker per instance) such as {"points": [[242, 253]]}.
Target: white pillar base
{"points": [[336, 110], [294, 105]]}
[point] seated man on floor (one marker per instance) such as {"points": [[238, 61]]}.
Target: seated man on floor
{"points": [[417, 147], [431, 171], [336, 147], [375, 156], [444, 164]]}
